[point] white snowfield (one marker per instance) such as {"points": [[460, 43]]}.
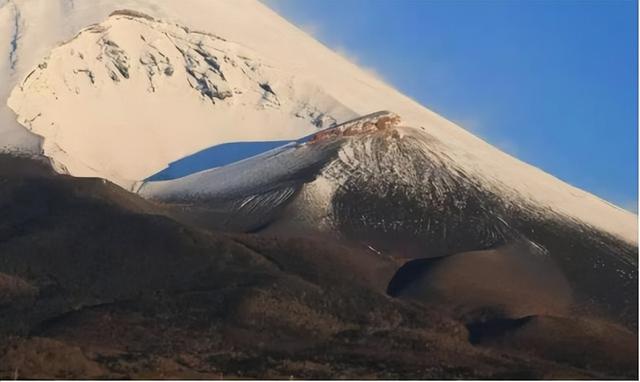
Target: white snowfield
{"points": [[124, 98]]}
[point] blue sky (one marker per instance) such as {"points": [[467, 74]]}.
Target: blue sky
{"points": [[553, 82]]}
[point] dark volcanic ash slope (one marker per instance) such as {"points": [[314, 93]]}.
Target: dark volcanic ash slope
{"points": [[98, 283], [402, 192]]}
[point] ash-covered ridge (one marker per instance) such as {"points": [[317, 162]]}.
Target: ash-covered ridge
{"points": [[394, 189]]}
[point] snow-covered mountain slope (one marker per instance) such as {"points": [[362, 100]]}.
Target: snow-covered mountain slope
{"points": [[125, 98], [161, 95]]}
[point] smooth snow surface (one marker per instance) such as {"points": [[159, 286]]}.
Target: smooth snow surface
{"points": [[123, 99]]}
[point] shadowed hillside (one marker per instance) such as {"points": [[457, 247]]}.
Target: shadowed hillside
{"points": [[98, 283]]}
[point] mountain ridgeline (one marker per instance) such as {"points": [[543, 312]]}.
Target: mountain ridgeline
{"points": [[208, 192]]}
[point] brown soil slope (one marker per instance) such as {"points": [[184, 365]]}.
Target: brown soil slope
{"points": [[98, 283]]}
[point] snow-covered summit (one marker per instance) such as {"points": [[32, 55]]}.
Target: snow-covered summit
{"points": [[122, 96], [153, 91]]}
